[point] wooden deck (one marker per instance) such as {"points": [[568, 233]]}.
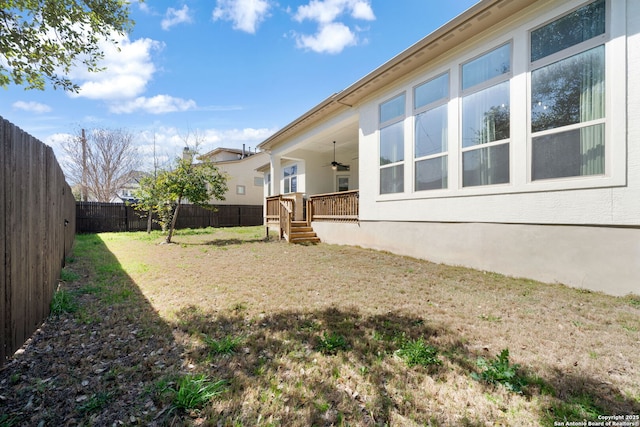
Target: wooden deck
{"points": [[335, 207]]}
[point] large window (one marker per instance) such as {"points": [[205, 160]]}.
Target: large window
{"points": [[486, 119], [538, 108], [291, 179], [392, 114], [568, 95], [430, 149]]}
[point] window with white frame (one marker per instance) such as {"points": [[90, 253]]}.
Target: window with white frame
{"points": [[568, 95], [392, 114], [241, 190], [291, 179], [534, 110], [430, 137], [485, 118]]}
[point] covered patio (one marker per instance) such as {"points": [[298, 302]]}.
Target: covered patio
{"points": [[312, 177]]}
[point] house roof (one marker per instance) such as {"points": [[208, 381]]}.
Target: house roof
{"points": [[241, 153], [478, 18]]}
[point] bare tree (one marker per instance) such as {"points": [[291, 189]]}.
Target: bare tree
{"points": [[101, 161]]}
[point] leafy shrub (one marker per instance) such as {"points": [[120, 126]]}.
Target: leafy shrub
{"points": [[500, 371], [195, 391], [332, 343], [417, 352]]}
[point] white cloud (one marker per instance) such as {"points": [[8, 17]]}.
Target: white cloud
{"points": [[33, 107], [234, 138], [246, 15], [327, 11], [158, 104], [331, 38], [144, 7], [362, 10], [175, 16], [127, 71]]}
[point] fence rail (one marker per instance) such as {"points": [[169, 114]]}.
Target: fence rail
{"points": [[37, 224], [94, 217]]}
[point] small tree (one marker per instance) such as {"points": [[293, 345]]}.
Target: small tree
{"points": [[196, 183], [150, 199]]}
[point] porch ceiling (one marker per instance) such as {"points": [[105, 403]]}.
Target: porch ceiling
{"points": [[344, 133]]}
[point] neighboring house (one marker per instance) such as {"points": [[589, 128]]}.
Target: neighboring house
{"points": [[244, 182], [125, 194], [506, 140]]}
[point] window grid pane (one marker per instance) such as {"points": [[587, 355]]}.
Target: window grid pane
{"points": [[488, 66], [392, 179], [392, 109], [485, 116], [392, 144], [568, 91], [570, 30], [486, 166], [431, 91], [431, 132], [577, 152], [432, 174]]}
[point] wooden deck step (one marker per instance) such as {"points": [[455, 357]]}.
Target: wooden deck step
{"points": [[301, 232]]}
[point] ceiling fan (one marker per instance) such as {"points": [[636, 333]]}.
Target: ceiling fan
{"points": [[334, 164]]}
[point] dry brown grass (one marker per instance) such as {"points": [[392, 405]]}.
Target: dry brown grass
{"points": [[578, 350]]}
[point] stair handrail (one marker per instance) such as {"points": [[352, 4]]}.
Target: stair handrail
{"points": [[286, 217]]}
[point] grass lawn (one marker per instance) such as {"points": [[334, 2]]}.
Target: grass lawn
{"points": [[222, 328]]}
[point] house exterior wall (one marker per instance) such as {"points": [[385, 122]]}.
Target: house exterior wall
{"points": [[243, 174], [601, 200], [581, 231], [548, 253]]}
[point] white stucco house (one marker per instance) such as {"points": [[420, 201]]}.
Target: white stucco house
{"points": [[245, 183], [507, 140]]}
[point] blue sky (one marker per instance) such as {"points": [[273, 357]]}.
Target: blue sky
{"points": [[231, 71]]}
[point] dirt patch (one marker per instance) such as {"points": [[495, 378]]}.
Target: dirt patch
{"points": [[315, 336]]}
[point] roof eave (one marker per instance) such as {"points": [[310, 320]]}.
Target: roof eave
{"points": [[473, 21]]}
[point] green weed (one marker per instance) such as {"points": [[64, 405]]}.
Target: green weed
{"points": [[95, 403], [575, 408], [490, 318], [224, 346], [68, 276], [63, 302], [7, 421], [417, 352], [633, 300], [332, 343], [500, 371], [195, 391]]}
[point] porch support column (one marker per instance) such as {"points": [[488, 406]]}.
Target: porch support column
{"points": [[276, 172]]}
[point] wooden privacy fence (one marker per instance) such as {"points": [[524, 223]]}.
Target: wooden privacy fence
{"points": [[94, 217], [37, 226]]}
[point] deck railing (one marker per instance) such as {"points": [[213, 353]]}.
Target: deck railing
{"points": [[280, 211], [337, 207], [272, 214]]}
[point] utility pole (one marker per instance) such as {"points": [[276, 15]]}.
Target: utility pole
{"points": [[85, 191]]}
